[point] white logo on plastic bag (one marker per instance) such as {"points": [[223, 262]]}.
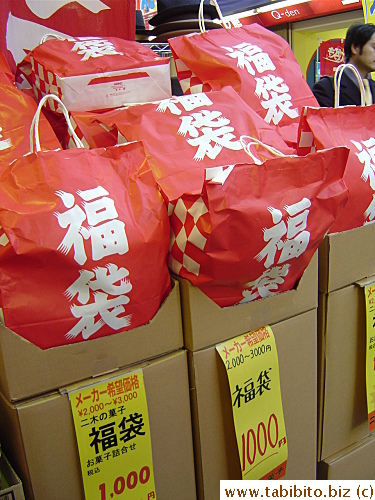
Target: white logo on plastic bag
{"points": [[366, 156], [101, 293], [271, 89], [207, 130], [284, 241], [94, 47]]}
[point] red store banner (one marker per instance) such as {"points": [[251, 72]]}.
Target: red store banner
{"points": [[299, 11], [24, 22]]}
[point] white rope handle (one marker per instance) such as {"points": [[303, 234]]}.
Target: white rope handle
{"points": [[337, 82], [34, 128], [202, 26], [51, 36], [253, 141]]}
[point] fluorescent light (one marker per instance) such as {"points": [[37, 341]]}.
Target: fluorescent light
{"points": [[347, 2]]}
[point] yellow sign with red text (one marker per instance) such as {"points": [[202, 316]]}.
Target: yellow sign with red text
{"points": [[113, 437], [253, 373], [370, 354]]}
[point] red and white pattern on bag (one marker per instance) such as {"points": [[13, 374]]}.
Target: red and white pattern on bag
{"points": [[306, 142], [190, 224], [249, 235], [77, 130], [190, 83], [44, 83]]}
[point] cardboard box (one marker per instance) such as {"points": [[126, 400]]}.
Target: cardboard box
{"points": [[205, 323], [215, 446], [347, 257], [342, 399], [26, 370], [11, 486], [38, 436], [355, 462]]}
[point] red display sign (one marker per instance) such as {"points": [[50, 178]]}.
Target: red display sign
{"points": [[24, 22], [300, 11], [331, 56]]}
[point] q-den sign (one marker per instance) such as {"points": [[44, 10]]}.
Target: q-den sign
{"points": [[306, 9]]}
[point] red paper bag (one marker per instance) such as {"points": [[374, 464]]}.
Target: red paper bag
{"points": [[87, 127], [353, 127], [24, 22], [93, 73], [90, 234], [17, 110], [257, 63], [184, 135], [254, 229]]}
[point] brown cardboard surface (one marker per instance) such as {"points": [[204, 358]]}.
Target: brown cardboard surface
{"points": [[215, 446], [342, 378], [355, 462], [205, 323], [14, 490], [347, 257], [38, 435], [26, 370]]}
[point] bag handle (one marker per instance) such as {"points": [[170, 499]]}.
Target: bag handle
{"points": [[34, 127], [252, 141], [337, 83], [51, 36], [202, 26]]}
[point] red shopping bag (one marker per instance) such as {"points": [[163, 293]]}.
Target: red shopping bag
{"points": [[93, 73], [24, 22], [87, 127], [257, 63], [17, 110], [91, 131], [82, 224], [353, 127], [254, 228], [184, 135]]}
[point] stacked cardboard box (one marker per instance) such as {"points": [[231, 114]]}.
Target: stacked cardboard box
{"points": [[354, 462], [293, 318], [36, 423], [11, 486], [344, 260]]}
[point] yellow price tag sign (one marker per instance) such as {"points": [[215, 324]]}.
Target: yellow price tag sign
{"points": [[253, 373], [370, 354], [113, 437]]}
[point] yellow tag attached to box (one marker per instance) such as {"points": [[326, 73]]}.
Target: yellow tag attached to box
{"points": [[113, 437], [370, 354], [253, 373]]}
